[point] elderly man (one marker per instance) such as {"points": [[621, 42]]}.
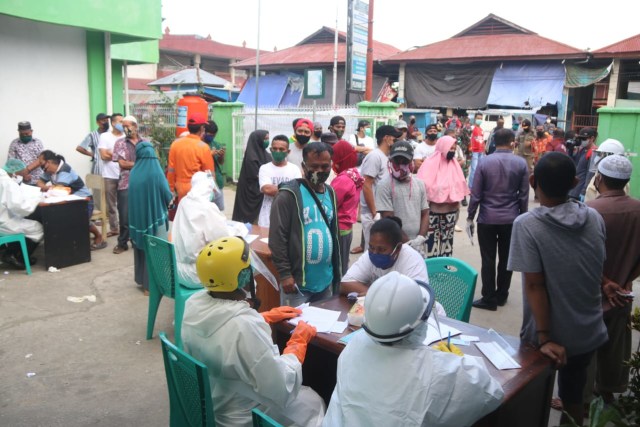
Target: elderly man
{"points": [[16, 203], [26, 148], [317, 132], [124, 153], [621, 215], [89, 145]]}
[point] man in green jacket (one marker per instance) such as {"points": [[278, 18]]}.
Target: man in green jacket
{"points": [[303, 235]]}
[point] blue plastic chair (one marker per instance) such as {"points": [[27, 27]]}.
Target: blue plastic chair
{"points": [[260, 419], [19, 237], [189, 390], [163, 281], [454, 282]]}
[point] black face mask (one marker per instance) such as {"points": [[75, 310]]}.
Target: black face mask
{"points": [[104, 127], [303, 139], [451, 155], [540, 134], [316, 178], [317, 134], [432, 136]]}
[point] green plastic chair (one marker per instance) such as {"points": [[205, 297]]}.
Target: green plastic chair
{"points": [[454, 282], [163, 281], [260, 419], [189, 390], [19, 237]]}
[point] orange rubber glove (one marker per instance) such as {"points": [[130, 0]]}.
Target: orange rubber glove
{"points": [[297, 345], [279, 314]]}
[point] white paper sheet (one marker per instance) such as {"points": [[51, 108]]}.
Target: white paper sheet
{"points": [[250, 238], [434, 336], [470, 338], [339, 327], [59, 199], [323, 320], [497, 356], [265, 240]]}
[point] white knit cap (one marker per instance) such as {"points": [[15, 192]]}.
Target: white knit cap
{"points": [[615, 166], [130, 119]]}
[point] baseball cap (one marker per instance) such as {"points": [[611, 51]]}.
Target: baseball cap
{"points": [[401, 149], [197, 118], [329, 138], [385, 130], [24, 126], [401, 124], [102, 116], [587, 133], [615, 166]]}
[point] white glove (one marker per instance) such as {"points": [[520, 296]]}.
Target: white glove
{"points": [[418, 243]]}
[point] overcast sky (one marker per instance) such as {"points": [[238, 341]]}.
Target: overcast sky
{"points": [[401, 23]]}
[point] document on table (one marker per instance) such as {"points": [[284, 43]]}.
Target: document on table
{"points": [[433, 335], [59, 199], [497, 355], [265, 240], [250, 238], [323, 320]]}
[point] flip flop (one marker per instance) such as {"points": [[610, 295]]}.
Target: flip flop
{"points": [[556, 403], [356, 250], [112, 233], [100, 245]]}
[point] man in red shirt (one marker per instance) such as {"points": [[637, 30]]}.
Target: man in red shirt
{"points": [[477, 146], [189, 155]]}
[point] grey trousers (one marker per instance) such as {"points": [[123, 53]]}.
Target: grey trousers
{"points": [[111, 194]]}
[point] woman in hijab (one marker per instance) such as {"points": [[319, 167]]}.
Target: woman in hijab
{"points": [[347, 185], [446, 187], [149, 197], [246, 207]]}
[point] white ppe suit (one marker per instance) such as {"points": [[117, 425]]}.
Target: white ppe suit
{"points": [[198, 221], [17, 202], [409, 384], [245, 367]]}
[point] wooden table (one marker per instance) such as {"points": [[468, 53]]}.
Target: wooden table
{"points": [[269, 297], [66, 233], [528, 390]]}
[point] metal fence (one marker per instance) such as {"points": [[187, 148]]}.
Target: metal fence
{"points": [[280, 121]]}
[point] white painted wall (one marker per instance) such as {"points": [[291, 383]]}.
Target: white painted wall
{"points": [[43, 79], [143, 71]]}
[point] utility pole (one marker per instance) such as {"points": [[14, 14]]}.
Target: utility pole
{"points": [[369, 84]]}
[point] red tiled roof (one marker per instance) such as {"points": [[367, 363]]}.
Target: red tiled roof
{"points": [[491, 47], [627, 48], [312, 55], [204, 46]]}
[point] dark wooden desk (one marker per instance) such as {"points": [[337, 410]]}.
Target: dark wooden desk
{"points": [[269, 297], [528, 390], [66, 233]]}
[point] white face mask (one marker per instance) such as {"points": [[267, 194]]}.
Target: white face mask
{"points": [[584, 143]]}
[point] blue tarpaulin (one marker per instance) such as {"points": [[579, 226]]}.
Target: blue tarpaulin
{"points": [[539, 84], [274, 91]]}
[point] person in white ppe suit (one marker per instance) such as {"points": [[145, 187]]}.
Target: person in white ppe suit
{"points": [[608, 147], [225, 332], [198, 221], [389, 377], [17, 202]]}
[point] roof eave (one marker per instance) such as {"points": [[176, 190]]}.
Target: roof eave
{"points": [[486, 59]]}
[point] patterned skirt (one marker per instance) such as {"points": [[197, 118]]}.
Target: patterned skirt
{"points": [[441, 232]]}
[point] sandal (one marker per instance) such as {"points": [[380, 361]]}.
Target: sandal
{"points": [[556, 403], [112, 233], [356, 250], [101, 245]]}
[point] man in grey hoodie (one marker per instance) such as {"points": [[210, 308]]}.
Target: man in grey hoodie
{"points": [[562, 300]]}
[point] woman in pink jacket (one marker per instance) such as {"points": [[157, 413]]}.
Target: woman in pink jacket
{"points": [[347, 185]]}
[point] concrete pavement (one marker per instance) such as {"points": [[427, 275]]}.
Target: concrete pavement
{"points": [[90, 361]]}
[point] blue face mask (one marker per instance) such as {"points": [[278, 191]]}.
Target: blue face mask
{"points": [[208, 139], [119, 127], [383, 261]]}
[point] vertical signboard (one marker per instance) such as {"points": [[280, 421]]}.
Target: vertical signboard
{"points": [[357, 33]]}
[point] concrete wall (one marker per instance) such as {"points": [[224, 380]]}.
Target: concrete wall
{"points": [[44, 80]]}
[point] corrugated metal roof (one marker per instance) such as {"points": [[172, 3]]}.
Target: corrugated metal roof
{"points": [[204, 46], [189, 76], [315, 54], [489, 48], [627, 48]]}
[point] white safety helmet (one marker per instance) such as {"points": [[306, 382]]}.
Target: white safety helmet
{"points": [[611, 146], [395, 305]]}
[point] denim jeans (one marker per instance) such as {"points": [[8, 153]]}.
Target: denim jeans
{"points": [[475, 161]]}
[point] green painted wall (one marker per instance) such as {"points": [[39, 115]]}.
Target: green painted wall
{"points": [[96, 78], [146, 52], [142, 20]]}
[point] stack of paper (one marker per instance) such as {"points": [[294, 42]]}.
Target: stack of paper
{"points": [[323, 320], [497, 355], [433, 335]]}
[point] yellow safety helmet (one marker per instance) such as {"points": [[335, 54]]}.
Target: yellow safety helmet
{"points": [[221, 262]]}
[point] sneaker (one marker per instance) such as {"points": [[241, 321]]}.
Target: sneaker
{"points": [[464, 202], [119, 249]]}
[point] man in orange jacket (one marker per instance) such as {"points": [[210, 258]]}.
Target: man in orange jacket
{"points": [[189, 155]]}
